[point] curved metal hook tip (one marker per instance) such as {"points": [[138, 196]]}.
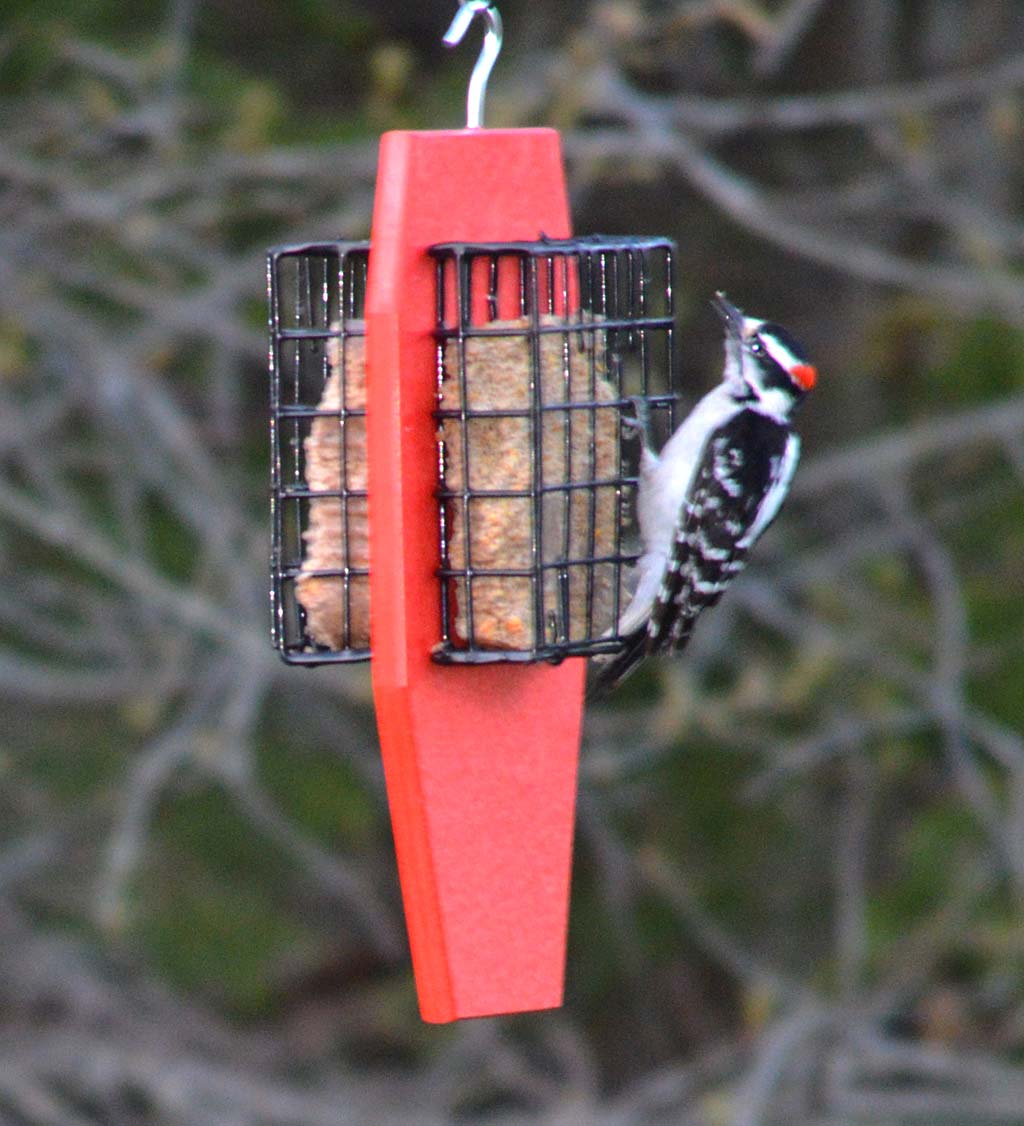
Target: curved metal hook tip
{"points": [[488, 53]]}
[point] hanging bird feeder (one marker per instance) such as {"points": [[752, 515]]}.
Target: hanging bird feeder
{"points": [[452, 500]]}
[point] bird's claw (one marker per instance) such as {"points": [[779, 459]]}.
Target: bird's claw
{"points": [[641, 422]]}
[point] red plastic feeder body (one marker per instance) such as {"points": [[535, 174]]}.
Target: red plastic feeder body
{"points": [[480, 760]]}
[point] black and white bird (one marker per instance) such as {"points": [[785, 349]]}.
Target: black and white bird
{"points": [[719, 481]]}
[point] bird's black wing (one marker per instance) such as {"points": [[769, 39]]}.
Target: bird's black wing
{"points": [[737, 491]]}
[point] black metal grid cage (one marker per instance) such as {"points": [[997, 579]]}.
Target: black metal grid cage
{"points": [[543, 348], [320, 550]]}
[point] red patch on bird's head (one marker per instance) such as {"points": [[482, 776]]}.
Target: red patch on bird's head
{"points": [[805, 375]]}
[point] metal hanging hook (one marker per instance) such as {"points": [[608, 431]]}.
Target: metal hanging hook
{"points": [[488, 54]]}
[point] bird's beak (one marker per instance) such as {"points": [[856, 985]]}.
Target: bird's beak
{"points": [[729, 313]]}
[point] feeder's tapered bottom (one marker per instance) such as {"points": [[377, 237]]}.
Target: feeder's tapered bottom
{"points": [[485, 850]]}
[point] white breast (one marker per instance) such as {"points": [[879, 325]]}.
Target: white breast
{"points": [[665, 478], [664, 482]]}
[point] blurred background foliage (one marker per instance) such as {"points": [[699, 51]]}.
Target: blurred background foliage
{"points": [[800, 859]]}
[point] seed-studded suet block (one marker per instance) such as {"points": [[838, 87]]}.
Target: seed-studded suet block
{"points": [[529, 577], [337, 535]]}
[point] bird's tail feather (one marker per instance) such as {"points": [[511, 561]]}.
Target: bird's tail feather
{"points": [[616, 668]]}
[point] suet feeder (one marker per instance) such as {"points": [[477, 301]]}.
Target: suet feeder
{"points": [[451, 500]]}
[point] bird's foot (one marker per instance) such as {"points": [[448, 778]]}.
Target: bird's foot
{"points": [[640, 424]]}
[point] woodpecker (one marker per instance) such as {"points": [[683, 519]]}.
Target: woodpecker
{"points": [[719, 481]]}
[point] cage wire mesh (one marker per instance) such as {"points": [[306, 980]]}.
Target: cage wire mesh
{"points": [[320, 544], [542, 349]]}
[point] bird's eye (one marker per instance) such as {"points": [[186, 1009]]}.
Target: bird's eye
{"points": [[756, 346]]}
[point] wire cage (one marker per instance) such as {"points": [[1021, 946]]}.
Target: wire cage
{"points": [[544, 349], [320, 543]]}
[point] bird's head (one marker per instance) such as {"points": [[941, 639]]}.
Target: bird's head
{"points": [[764, 361]]}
